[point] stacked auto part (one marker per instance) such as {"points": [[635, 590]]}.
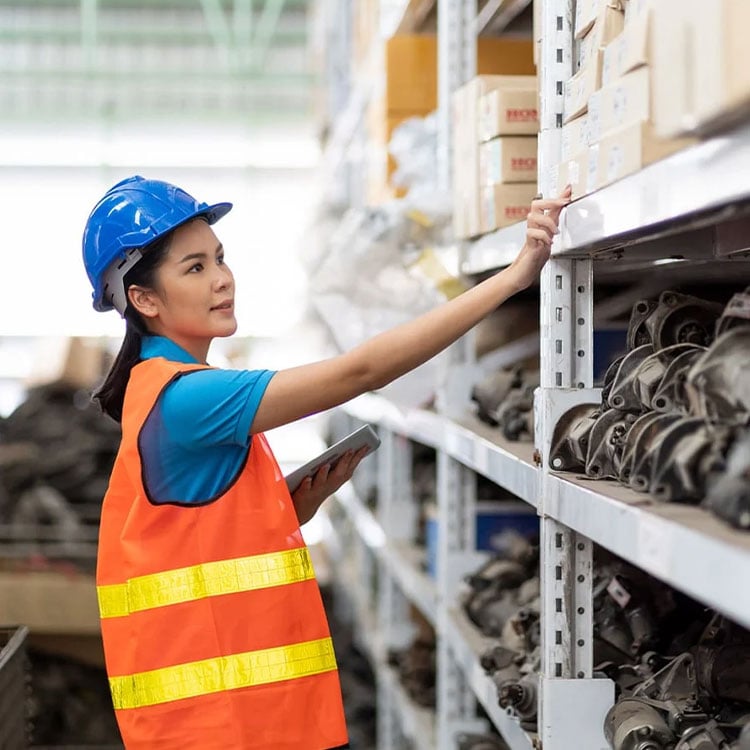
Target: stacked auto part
{"points": [[502, 600], [674, 413], [56, 452], [415, 666], [505, 399], [682, 672]]}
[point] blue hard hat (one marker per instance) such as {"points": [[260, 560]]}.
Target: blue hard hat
{"points": [[132, 214]]}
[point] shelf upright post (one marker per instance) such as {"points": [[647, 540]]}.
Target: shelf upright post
{"points": [[457, 64], [572, 706], [456, 495], [397, 514]]}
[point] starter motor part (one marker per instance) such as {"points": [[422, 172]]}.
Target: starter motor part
{"points": [[632, 724], [736, 313], [520, 696], [624, 392], [718, 385], [682, 319], [490, 393], [684, 456], [570, 438], [728, 495], [671, 395], [605, 444], [645, 448]]}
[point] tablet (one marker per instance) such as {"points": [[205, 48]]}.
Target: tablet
{"points": [[365, 436]]}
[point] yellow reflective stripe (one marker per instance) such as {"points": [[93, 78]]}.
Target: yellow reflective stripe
{"points": [[206, 579], [222, 673]]}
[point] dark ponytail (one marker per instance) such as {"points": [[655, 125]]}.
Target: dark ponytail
{"points": [[111, 394]]}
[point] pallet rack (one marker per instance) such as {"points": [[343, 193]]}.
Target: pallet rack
{"points": [[691, 205]]}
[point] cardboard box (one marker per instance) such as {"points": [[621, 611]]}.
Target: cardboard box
{"points": [[634, 9], [721, 89], [624, 102], [700, 69], [578, 89], [508, 159], [629, 51], [587, 12], [671, 68], [510, 110], [466, 200], [575, 136], [503, 205], [629, 149], [411, 67], [581, 172], [608, 25], [50, 602]]}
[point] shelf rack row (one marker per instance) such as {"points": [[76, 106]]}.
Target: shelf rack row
{"points": [[689, 208], [683, 545]]}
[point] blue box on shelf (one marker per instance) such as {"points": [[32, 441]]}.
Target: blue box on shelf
{"points": [[492, 519]]}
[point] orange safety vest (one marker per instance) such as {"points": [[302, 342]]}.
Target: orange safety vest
{"points": [[214, 631]]}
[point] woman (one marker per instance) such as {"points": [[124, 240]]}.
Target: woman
{"points": [[214, 632]]}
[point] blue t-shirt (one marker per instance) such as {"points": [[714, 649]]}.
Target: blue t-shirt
{"points": [[196, 439]]}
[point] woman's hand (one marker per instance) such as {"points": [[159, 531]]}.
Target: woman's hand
{"points": [[309, 496], [541, 228]]}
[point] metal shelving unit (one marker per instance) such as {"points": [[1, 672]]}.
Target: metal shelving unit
{"points": [[693, 200]]}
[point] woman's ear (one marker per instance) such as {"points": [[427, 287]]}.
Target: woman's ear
{"points": [[143, 300]]}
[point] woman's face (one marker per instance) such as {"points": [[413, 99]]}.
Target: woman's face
{"points": [[193, 301]]}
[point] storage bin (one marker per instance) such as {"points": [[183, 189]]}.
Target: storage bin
{"points": [[13, 683]]}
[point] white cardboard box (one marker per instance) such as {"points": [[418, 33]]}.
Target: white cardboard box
{"points": [[630, 50], [629, 149], [608, 25], [575, 136], [625, 101], [508, 159], [578, 89]]}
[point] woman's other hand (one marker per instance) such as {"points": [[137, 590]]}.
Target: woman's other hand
{"points": [[309, 496], [541, 228]]}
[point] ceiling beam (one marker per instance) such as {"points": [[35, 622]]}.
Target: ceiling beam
{"points": [[267, 25], [242, 29], [106, 34], [217, 24], [88, 31]]}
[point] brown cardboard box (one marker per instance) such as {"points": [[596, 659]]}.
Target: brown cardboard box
{"points": [[634, 9], [608, 25], [578, 89], [701, 74], [466, 199], [587, 12], [508, 159], [510, 110], [503, 205], [722, 85], [672, 66], [575, 137], [50, 602], [581, 172], [630, 50], [411, 67], [625, 101], [629, 149]]}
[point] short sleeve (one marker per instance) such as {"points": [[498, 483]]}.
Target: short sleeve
{"points": [[213, 407]]}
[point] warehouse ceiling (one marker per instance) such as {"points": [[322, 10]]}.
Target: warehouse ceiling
{"points": [[115, 61]]}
